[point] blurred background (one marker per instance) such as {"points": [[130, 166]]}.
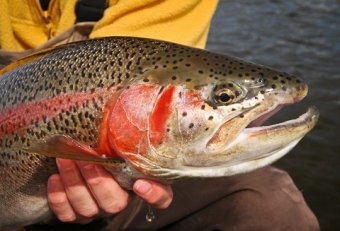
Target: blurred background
{"points": [[301, 37]]}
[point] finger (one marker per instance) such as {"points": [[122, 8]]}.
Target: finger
{"points": [[58, 200], [154, 193], [108, 194], [77, 192]]}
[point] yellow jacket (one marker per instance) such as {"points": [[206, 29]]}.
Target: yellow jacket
{"points": [[24, 25]]}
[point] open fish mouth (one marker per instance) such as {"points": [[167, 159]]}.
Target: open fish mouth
{"points": [[269, 135], [305, 122], [265, 144]]}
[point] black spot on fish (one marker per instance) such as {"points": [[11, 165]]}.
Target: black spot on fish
{"points": [[184, 114], [210, 118], [191, 125], [67, 123]]}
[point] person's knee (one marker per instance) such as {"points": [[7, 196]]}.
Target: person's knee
{"points": [[271, 202], [284, 205]]}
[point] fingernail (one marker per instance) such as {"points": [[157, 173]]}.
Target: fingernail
{"points": [[142, 187], [86, 165], [54, 183], [55, 178], [65, 164], [89, 169]]}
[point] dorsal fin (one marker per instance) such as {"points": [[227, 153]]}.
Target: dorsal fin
{"points": [[30, 58]]}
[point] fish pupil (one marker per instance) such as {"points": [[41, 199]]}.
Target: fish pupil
{"points": [[224, 97]]}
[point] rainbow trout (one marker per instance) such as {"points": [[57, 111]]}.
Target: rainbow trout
{"points": [[142, 108]]}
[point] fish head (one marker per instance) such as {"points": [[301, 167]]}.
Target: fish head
{"points": [[211, 124]]}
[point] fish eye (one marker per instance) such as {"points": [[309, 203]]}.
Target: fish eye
{"points": [[224, 96]]}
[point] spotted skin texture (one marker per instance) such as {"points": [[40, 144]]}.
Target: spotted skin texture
{"points": [[84, 91]]}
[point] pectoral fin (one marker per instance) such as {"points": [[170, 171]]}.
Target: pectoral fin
{"points": [[61, 146]]}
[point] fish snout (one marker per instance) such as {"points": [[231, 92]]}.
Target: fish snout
{"points": [[300, 91], [289, 85]]}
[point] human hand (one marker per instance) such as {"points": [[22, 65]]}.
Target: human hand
{"points": [[83, 190]]}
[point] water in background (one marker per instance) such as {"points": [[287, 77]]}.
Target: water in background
{"points": [[301, 37]]}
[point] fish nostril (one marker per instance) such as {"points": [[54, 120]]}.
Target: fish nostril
{"points": [[261, 82]]}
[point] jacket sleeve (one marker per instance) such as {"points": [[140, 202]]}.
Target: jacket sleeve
{"points": [[185, 22]]}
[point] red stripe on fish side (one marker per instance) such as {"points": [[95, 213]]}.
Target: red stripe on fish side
{"points": [[18, 118], [160, 115], [128, 124]]}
